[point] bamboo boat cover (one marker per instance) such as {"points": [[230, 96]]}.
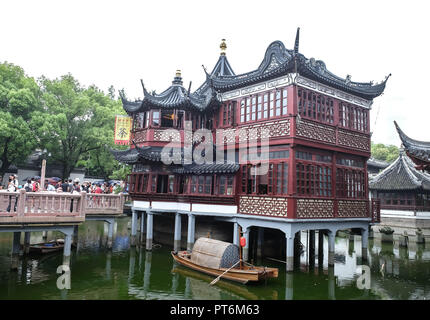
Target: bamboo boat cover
{"points": [[211, 253]]}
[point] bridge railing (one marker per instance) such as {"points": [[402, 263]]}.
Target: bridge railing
{"points": [[99, 203], [43, 207], [51, 204]]}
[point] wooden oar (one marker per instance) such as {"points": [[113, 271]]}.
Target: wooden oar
{"points": [[219, 277]]}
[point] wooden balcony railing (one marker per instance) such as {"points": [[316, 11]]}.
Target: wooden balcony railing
{"points": [[303, 208]]}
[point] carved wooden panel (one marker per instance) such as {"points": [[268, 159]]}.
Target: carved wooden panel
{"points": [[315, 131], [139, 136], [266, 206], [354, 140], [272, 129], [166, 135], [314, 208], [352, 209]]}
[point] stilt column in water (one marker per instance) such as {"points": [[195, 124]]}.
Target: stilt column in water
{"points": [[320, 247], [110, 234], [149, 230], [133, 228], [67, 249], [246, 247], [16, 246], [364, 242], [26, 242], [236, 233], [260, 242], [142, 226], [75, 234], [312, 248], [177, 237], [331, 236], [191, 231], [290, 253]]}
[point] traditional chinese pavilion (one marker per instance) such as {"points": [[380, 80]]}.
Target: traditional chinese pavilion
{"points": [[404, 186], [318, 132]]}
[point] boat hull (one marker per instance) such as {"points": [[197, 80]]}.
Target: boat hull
{"points": [[243, 276]]}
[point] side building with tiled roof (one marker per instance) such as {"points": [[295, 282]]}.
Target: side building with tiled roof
{"points": [[402, 187]]}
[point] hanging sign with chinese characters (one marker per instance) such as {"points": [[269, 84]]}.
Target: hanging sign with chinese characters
{"points": [[122, 129]]}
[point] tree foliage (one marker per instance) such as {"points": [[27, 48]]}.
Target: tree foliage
{"points": [[80, 123], [19, 109], [383, 152]]}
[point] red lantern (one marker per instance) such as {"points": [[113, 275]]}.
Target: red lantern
{"points": [[242, 241]]}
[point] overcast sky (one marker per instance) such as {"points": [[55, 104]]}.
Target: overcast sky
{"points": [[120, 42]]}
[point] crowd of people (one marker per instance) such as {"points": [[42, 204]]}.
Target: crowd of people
{"points": [[66, 185]]}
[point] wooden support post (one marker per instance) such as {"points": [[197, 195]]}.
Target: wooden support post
{"points": [[27, 238], [290, 253], [16, 246], [149, 231], [191, 231], [133, 228], [331, 237], [178, 235]]}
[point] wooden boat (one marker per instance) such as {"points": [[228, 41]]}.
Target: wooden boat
{"points": [[230, 286], [48, 247], [219, 258]]}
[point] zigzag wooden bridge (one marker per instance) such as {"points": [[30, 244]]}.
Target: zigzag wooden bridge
{"points": [[48, 211]]}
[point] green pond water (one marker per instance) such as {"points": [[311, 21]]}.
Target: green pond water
{"points": [[134, 273]]}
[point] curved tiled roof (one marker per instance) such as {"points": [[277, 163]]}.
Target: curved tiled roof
{"points": [[279, 61], [175, 96], [415, 148], [135, 155], [377, 163], [401, 175], [208, 168]]}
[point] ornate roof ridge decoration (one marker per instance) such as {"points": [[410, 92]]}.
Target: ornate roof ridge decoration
{"points": [[401, 175], [415, 148], [279, 61], [221, 68]]}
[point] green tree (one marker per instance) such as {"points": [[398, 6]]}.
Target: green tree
{"points": [[383, 152], [20, 106], [79, 123]]}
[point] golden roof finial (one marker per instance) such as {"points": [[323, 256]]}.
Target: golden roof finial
{"points": [[178, 73], [223, 47]]}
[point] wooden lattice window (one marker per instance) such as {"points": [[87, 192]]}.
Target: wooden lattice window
{"points": [[315, 106], [313, 179], [353, 117]]}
